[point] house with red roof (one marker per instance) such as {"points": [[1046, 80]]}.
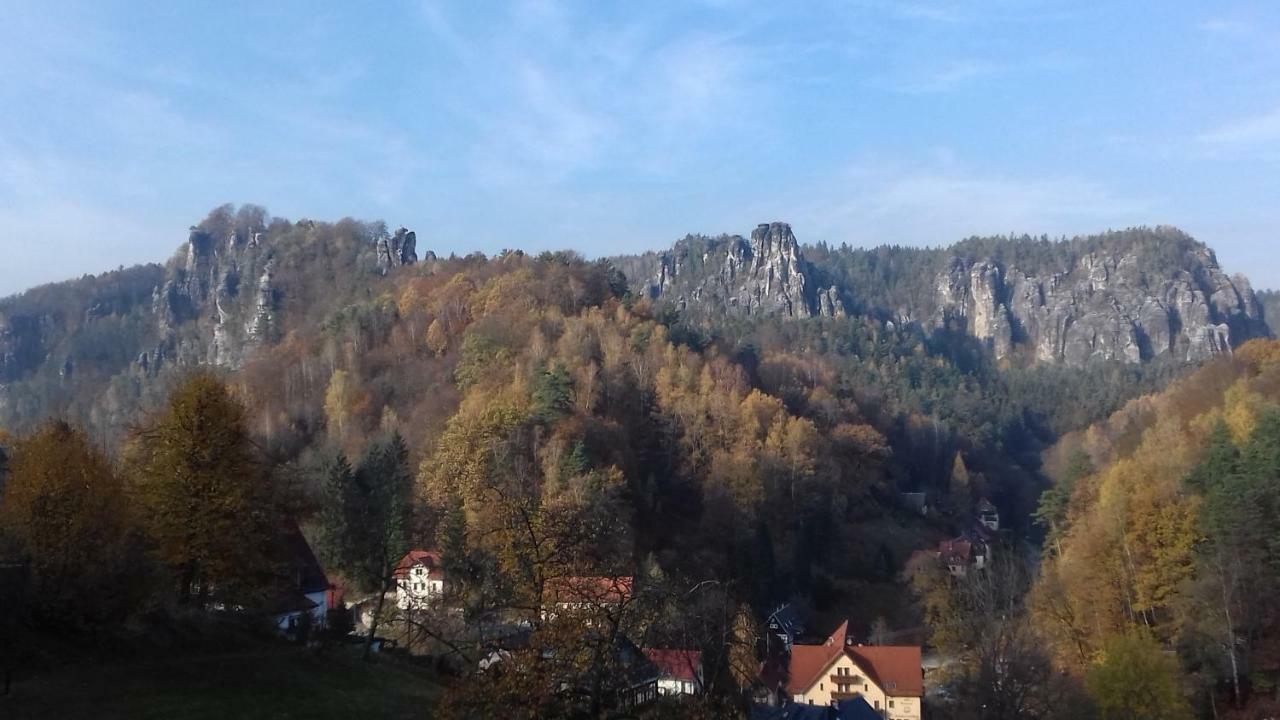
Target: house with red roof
{"points": [[587, 597], [888, 677], [420, 579], [679, 671]]}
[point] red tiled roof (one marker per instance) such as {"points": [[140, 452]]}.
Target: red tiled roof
{"points": [[430, 559], [808, 661], [591, 589], [676, 664], [895, 668]]}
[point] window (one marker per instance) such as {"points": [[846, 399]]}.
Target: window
{"points": [[890, 704], [820, 687]]}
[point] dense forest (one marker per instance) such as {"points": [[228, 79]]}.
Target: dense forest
{"points": [[1161, 534], [536, 419]]}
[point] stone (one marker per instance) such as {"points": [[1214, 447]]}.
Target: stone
{"points": [[397, 250], [767, 275]]}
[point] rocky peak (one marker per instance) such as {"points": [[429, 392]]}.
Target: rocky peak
{"points": [[767, 275], [1112, 305], [397, 250]]}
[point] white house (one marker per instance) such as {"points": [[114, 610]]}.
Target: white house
{"points": [[679, 671], [889, 678], [419, 579]]}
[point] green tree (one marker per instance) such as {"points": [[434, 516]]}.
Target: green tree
{"points": [[1137, 680], [552, 394], [367, 518], [205, 495]]}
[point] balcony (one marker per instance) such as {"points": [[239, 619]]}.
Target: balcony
{"points": [[839, 696], [846, 679]]}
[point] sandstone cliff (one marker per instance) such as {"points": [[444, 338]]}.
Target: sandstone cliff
{"points": [[1109, 303], [767, 275], [1133, 296]]}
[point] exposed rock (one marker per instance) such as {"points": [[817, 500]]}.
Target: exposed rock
{"points": [[1107, 306], [398, 250], [766, 276], [260, 325], [830, 304]]}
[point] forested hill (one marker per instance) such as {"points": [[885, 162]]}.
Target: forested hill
{"points": [[1163, 524], [351, 323], [1133, 295]]}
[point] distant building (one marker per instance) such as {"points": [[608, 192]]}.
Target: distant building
{"points": [[784, 624], [889, 678], [988, 515], [959, 555], [679, 671], [420, 579], [587, 595], [917, 501], [305, 595]]}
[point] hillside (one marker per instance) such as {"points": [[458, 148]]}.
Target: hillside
{"points": [[1133, 295], [1163, 522]]}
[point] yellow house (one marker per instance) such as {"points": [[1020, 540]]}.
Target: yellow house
{"points": [[888, 677]]}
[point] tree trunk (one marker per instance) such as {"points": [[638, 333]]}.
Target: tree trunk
{"points": [[1231, 631], [373, 624]]}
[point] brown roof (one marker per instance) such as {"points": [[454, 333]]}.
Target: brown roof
{"points": [[591, 589], [958, 550], [808, 661], [895, 668], [430, 559]]}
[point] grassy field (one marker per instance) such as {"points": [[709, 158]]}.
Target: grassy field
{"points": [[271, 682]]}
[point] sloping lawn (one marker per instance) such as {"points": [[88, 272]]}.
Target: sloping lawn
{"points": [[274, 682]]}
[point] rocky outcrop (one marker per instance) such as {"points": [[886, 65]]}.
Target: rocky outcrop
{"points": [[767, 275], [397, 250], [260, 325], [20, 345], [1107, 306]]}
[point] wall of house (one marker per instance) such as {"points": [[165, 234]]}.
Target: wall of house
{"points": [[417, 589], [856, 681], [670, 686]]}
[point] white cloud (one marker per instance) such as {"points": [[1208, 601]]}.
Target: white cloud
{"points": [[940, 203], [1264, 128]]}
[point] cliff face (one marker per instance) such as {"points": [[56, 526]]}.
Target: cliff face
{"points": [[1106, 306], [1131, 296], [240, 282], [767, 275]]}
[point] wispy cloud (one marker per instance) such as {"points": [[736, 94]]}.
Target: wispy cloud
{"points": [[938, 203], [1254, 130]]}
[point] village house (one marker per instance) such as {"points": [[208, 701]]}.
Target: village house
{"points": [[679, 671], [889, 678], [988, 515], [420, 579], [587, 595], [784, 624], [959, 555], [917, 501], [306, 595]]}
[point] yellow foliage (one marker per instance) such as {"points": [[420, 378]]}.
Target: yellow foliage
{"points": [[1241, 408], [1260, 354]]}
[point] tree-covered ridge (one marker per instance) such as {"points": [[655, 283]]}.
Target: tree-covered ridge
{"points": [[1163, 522], [1270, 300], [885, 279]]}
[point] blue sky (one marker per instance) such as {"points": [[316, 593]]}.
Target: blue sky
{"points": [[614, 127]]}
